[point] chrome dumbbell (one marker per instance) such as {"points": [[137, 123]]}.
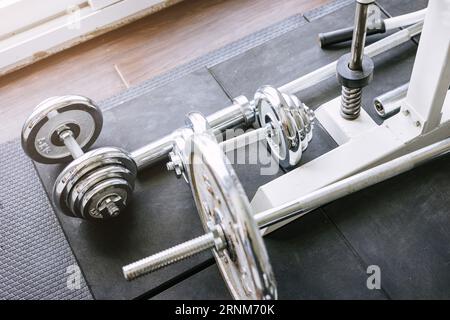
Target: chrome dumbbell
{"points": [[285, 124], [286, 110], [96, 184], [232, 230], [99, 184]]}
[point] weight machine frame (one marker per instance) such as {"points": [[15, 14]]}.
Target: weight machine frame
{"points": [[424, 118]]}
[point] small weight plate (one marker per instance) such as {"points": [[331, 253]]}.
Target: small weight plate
{"points": [[220, 199], [296, 112], [39, 137], [77, 170], [91, 180], [303, 118], [273, 109], [106, 188]]}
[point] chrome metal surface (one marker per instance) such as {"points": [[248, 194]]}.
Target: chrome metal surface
{"points": [[248, 138], [240, 113], [169, 256], [351, 100], [226, 217], [77, 113], [221, 200], [90, 186], [359, 36], [72, 145], [303, 118], [272, 108], [388, 103], [153, 152]]}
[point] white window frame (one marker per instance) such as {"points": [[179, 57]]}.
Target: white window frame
{"points": [[31, 30]]}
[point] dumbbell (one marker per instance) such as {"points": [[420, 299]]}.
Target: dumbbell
{"points": [[95, 184], [269, 105], [99, 184], [232, 230], [285, 124]]}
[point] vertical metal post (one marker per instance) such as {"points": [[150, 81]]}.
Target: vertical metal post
{"points": [[359, 36], [430, 77], [348, 74]]}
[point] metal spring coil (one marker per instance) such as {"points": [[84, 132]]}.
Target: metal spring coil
{"points": [[351, 102]]}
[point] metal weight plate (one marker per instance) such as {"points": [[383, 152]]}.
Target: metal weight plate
{"points": [[221, 200], [112, 187], [84, 170], [81, 190], [39, 133], [302, 116], [285, 142]]}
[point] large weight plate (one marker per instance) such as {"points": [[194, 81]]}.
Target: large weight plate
{"points": [[220, 199]]}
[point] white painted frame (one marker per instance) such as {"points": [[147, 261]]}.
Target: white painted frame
{"points": [[67, 28]]}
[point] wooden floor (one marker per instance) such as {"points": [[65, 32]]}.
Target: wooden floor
{"points": [[127, 56]]}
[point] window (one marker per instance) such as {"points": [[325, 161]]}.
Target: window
{"points": [[31, 30]]}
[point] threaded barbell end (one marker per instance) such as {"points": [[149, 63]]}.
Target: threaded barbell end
{"points": [[170, 256]]}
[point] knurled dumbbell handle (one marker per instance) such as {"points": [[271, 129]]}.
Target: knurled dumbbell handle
{"points": [[295, 208]]}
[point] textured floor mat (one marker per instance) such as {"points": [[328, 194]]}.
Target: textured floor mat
{"points": [[36, 261]]}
